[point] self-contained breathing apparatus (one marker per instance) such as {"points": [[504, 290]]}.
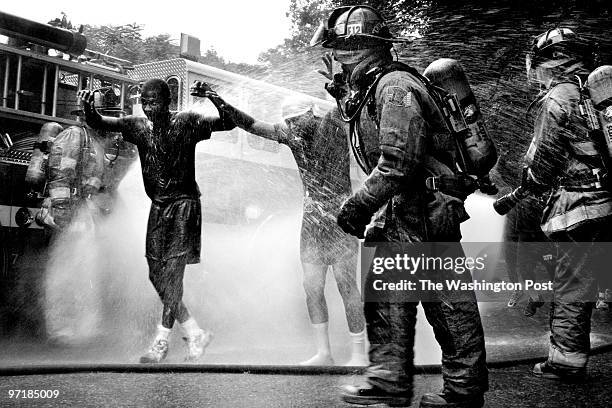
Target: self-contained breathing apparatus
{"points": [[454, 96], [595, 106], [446, 82], [38, 174], [62, 203], [355, 31], [596, 109]]}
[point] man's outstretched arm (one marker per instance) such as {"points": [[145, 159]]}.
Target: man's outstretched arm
{"points": [[243, 120]]}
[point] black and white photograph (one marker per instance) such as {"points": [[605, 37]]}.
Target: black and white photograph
{"points": [[306, 203]]}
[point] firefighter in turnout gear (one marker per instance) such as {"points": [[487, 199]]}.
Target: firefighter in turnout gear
{"points": [[81, 174], [568, 160], [401, 139], [36, 175], [84, 167], [69, 214], [76, 165]]}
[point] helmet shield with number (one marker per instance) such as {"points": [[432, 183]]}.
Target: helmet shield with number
{"points": [[354, 27]]}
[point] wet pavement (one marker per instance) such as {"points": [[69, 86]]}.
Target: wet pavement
{"points": [[101, 374], [254, 306], [256, 309], [509, 335], [509, 387]]}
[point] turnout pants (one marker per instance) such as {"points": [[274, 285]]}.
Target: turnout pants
{"points": [[583, 259], [456, 323]]}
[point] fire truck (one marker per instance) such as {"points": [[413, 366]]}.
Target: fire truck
{"points": [[41, 70], [244, 179]]}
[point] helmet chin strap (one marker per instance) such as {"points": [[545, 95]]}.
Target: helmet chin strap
{"points": [[565, 72]]}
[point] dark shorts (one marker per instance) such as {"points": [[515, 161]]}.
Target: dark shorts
{"points": [[325, 243], [174, 230]]}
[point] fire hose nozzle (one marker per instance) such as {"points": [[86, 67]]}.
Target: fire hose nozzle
{"points": [[505, 203], [486, 186]]}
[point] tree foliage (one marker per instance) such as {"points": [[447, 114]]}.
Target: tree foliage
{"points": [[489, 37], [126, 42], [305, 16]]}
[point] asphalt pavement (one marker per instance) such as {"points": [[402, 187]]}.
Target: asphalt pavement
{"points": [[181, 386]]}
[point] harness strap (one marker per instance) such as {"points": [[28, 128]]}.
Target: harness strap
{"points": [[459, 185], [596, 179], [377, 73], [77, 188]]}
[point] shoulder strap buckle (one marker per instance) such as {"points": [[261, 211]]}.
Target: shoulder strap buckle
{"points": [[432, 183], [599, 176]]}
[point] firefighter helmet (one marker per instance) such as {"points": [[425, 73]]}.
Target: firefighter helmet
{"points": [[557, 47], [351, 27], [106, 100]]}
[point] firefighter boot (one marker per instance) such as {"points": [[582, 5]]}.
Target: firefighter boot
{"points": [[545, 370], [532, 305], [367, 394], [448, 400], [602, 304]]}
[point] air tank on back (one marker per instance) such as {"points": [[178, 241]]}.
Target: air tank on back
{"points": [[599, 84], [36, 174], [478, 151]]}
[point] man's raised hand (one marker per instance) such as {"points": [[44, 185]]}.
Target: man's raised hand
{"points": [[328, 72], [86, 98]]}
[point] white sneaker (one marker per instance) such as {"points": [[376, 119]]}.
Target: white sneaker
{"points": [[157, 352], [197, 344], [514, 298], [319, 360], [601, 305]]}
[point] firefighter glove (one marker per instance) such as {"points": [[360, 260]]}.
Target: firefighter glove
{"points": [[353, 218], [61, 212], [337, 88]]}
